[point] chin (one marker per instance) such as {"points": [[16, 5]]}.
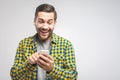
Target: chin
{"points": [[44, 38]]}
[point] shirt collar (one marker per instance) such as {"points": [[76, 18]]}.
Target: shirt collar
{"points": [[54, 38]]}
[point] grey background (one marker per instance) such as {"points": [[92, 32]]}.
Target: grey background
{"points": [[93, 26]]}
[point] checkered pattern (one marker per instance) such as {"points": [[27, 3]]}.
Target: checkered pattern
{"points": [[62, 52]]}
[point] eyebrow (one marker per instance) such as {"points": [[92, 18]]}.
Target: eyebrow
{"points": [[43, 19]]}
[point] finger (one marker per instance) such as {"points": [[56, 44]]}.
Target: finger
{"points": [[42, 66], [35, 58], [48, 56], [37, 54], [45, 66], [42, 63], [44, 58], [31, 60]]}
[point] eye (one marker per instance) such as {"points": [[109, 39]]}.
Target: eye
{"points": [[50, 22], [40, 21]]}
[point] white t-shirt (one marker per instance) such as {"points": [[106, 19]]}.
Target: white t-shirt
{"points": [[42, 46]]}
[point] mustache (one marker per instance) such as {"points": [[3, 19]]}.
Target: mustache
{"points": [[44, 30]]}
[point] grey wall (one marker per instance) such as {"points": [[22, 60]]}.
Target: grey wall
{"points": [[93, 26]]}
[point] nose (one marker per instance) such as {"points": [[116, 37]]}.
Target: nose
{"points": [[45, 26]]}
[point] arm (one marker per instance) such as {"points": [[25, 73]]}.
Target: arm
{"points": [[21, 67], [69, 71]]}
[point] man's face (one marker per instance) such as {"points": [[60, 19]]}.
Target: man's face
{"points": [[44, 23]]}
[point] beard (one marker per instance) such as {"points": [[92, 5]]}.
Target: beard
{"points": [[44, 34]]}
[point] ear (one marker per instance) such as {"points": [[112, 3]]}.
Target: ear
{"points": [[34, 19], [55, 21]]}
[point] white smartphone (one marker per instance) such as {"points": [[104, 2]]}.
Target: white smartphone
{"points": [[44, 51]]}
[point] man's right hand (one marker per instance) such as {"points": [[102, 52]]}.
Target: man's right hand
{"points": [[33, 58]]}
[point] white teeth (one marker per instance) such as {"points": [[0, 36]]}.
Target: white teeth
{"points": [[44, 32]]}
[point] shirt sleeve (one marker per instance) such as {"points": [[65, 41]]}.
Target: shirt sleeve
{"points": [[21, 67], [69, 71]]}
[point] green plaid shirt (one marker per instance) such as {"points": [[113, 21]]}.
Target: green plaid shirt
{"points": [[62, 52]]}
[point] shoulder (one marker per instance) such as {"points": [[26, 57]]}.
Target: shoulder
{"points": [[27, 40]]}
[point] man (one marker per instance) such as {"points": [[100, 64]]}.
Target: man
{"points": [[32, 64]]}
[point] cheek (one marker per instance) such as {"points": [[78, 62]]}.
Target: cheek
{"points": [[52, 27], [38, 25]]}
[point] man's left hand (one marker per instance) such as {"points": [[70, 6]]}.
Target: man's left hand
{"points": [[46, 62]]}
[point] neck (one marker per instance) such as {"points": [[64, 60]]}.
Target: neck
{"points": [[41, 40]]}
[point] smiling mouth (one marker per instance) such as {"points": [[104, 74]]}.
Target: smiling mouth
{"points": [[44, 33]]}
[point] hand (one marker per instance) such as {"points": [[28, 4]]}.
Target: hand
{"points": [[33, 58], [46, 62]]}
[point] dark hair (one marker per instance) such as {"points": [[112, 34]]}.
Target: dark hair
{"points": [[46, 8]]}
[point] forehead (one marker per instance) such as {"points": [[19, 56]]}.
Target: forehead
{"points": [[45, 15]]}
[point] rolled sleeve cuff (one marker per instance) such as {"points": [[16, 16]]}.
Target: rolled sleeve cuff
{"points": [[29, 66], [54, 72]]}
